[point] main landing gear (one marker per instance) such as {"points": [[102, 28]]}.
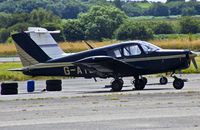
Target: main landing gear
{"points": [[117, 85], [139, 83], [178, 83]]}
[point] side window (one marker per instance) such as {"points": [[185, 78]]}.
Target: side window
{"points": [[145, 48], [115, 53], [131, 50]]}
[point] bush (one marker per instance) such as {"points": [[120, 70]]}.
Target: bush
{"points": [[131, 31], [188, 25], [164, 28], [4, 35], [73, 30], [101, 22]]}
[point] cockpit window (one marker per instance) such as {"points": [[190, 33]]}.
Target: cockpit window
{"points": [[148, 47], [115, 53], [131, 50]]}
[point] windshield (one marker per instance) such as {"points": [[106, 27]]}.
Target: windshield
{"points": [[148, 47]]}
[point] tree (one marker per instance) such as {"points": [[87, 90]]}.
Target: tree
{"points": [[175, 1], [73, 30], [164, 28], [53, 27], [4, 35], [188, 11], [159, 9], [188, 25], [40, 16], [118, 3], [132, 9], [132, 31], [100, 22], [175, 8]]}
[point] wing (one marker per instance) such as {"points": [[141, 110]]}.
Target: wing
{"points": [[105, 65]]}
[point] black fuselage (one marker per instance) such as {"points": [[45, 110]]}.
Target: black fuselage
{"points": [[158, 61]]}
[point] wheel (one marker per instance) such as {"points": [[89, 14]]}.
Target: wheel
{"points": [[9, 91], [145, 80], [54, 85], [139, 84], [54, 81], [117, 85], [9, 85], [9, 88], [163, 80], [122, 81], [178, 83]]}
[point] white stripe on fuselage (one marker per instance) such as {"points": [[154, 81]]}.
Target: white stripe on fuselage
{"points": [[64, 64], [154, 58]]}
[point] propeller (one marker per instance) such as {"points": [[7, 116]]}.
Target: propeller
{"points": [[192, 56]]}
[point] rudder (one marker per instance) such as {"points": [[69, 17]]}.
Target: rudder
{"points": [[29, 52]]}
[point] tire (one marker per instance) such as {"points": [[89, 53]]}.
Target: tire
{"points": [[55, 81], [140, 84], [145, 80], [54, 88], [53, 85], [9, 86], [163, 80], [117, 85], [178, 83], [9, 91]]}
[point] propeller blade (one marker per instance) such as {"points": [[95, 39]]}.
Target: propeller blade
{"points": [[194, 63]]}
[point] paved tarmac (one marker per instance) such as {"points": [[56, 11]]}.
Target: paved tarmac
{"points": [[84, 105]]}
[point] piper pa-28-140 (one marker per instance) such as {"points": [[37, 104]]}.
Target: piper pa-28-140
{"points": [[41, 56]]}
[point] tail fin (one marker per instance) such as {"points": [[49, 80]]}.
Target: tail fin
{"points": [[45, 41], [30, 53]]}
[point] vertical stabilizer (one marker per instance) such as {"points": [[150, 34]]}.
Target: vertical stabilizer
{"points": [[42, 37], [30, 53]]}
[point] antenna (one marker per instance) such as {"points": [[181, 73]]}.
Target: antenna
{"points": [[91, 47]]}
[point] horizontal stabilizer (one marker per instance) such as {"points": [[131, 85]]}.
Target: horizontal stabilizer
{"points": [[16, 69]]}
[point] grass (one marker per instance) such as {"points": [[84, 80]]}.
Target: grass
{"points": [[170, 41], [178, 44], [6, 75]]}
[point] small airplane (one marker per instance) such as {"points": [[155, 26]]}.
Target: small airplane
{"points": [[41, 56]]}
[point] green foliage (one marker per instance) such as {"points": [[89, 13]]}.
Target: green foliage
{"points": [[175, 8], [130, 30], [68, 9], [53, 27], [164, 28], [40, 16], [188, 25], [73, 30], [4, 34], [100, 22], [175, 0], [159, 9], [188, 11], [132, 9]]}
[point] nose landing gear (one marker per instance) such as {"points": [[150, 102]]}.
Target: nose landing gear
{"points": [[163, 80]]}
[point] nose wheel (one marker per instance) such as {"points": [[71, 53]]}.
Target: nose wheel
{"points": [[163, 80]]}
